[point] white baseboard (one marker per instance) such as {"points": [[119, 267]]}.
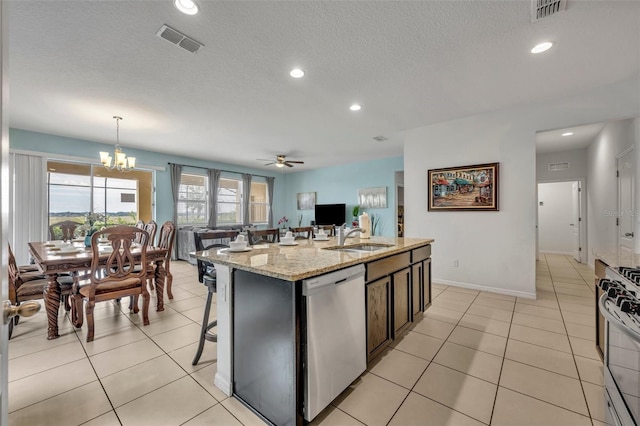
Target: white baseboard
{"points": [[498, 290], [223, 384]]}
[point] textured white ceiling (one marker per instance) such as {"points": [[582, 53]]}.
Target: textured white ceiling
{"points": [[75, 64]]}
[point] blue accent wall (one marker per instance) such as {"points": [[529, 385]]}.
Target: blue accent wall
{"points": [[340, 184], [45, 143]]}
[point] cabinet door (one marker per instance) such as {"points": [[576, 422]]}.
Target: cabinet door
{"points": [[378, 316], [416, 288], [426, 284], [401, 300]]}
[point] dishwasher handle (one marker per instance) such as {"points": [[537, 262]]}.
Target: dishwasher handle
{"points": [[316, 284]]}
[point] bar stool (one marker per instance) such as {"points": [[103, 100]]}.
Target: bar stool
{"points": [[207, 276], [209, 280]]}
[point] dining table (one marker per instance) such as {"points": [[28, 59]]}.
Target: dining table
{"points": [[53, 262]]}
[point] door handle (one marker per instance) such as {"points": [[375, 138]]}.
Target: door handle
{"points": [[629, 234], [24, 310]]}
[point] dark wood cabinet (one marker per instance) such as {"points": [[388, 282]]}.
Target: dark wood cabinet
{"points": [[378, 316], [402, 309], [398, 290], [426, 284]]}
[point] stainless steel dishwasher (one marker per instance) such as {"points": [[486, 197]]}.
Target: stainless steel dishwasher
{"points": [[336, 352]]}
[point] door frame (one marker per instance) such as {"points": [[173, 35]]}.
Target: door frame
{"points": [[583, 212]]}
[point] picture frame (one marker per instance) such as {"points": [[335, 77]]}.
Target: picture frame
{"points": [[373, 198], [464, 188], [306, 200]]}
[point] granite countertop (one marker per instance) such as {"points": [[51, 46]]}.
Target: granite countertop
{"points": [[612, 259], [307, 258]]}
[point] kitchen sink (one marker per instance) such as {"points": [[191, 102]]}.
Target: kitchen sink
{"points": [[360, 248]]}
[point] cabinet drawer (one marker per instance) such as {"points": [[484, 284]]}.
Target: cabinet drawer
{"points": [[420, 254], [388, 265]]}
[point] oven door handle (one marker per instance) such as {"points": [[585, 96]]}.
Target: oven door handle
{"points": [[616, 321]]}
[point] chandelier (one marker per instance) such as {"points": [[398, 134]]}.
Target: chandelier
{"points": [[119, 161]]}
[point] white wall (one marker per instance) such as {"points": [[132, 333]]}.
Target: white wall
{"points": [[602, 198], [496, 250], [555, 214], [577, 170]]}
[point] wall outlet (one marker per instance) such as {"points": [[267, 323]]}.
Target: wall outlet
{"points": [[454, 263]]}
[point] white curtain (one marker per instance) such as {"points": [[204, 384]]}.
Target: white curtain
{"points": [[28, 203]]}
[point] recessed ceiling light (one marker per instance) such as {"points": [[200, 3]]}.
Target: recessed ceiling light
{"points": [[188, 7], [296, 73], [567, 134], [355, 107], [542, 47]]}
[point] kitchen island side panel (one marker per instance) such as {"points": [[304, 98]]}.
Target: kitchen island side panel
{"points": [[264, 345]]}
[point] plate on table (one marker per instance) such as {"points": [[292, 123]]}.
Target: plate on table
{"points": [[321, 239], [289, 244], [105, 249], [238, 250], [67, 251]]}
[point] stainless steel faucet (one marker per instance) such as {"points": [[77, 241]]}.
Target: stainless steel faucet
{"points": [[342, 236]]}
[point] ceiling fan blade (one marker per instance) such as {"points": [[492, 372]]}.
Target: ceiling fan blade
{"points": [[295, 162], [268, 164], [286, 163]]}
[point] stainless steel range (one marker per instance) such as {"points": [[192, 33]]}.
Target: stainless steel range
{"points": [[620, 305]]}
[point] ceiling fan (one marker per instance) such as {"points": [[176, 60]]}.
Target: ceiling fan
{"points": [[280, 161]]}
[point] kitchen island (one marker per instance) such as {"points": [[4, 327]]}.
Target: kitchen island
{"points": [[263, 315]]}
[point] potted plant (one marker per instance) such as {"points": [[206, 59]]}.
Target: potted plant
{"points": [[355, 212]]}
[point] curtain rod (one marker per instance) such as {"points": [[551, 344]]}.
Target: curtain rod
{"points": [[207, 168]]}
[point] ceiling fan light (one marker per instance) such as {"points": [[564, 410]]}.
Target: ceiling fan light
{"points": [[355, 107], [280, 165]]}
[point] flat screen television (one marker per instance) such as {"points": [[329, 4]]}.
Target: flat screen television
{"points": [[330, 214]]}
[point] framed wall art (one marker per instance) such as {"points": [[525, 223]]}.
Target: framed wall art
{"points": [[306, 200], [373, 198], [472, 188]]}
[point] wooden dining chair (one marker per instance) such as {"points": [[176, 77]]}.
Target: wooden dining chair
{"points": [[165, 241], [64, 230], [151, 228], [29, 285], [139, 225], [330, 230], [302, 232], [257, 236], [117, 277]]}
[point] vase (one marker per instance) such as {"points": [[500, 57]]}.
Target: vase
{"points": [[87, 238]]}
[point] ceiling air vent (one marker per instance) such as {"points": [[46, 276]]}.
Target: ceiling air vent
{"points": [[379, 138], [541, 9], [179, 39], [555, 167]]}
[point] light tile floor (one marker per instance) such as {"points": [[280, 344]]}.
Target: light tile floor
{"points": [[475, 358]]}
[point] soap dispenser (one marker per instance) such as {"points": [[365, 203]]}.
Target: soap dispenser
{"points": [[364, 222]]}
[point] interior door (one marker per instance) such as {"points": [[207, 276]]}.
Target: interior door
{"points": [[576, 202], [626, 203]]}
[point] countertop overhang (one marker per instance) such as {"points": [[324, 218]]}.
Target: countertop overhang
{"points": [[308, 258]]}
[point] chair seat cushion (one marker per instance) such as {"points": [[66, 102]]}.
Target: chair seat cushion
{"points": [[109, 286], [32, 288]]}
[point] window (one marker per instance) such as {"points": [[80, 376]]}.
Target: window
{"points": [[230, 193], [192, 200], [76, 189], [259, 203], [229, 201]]}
